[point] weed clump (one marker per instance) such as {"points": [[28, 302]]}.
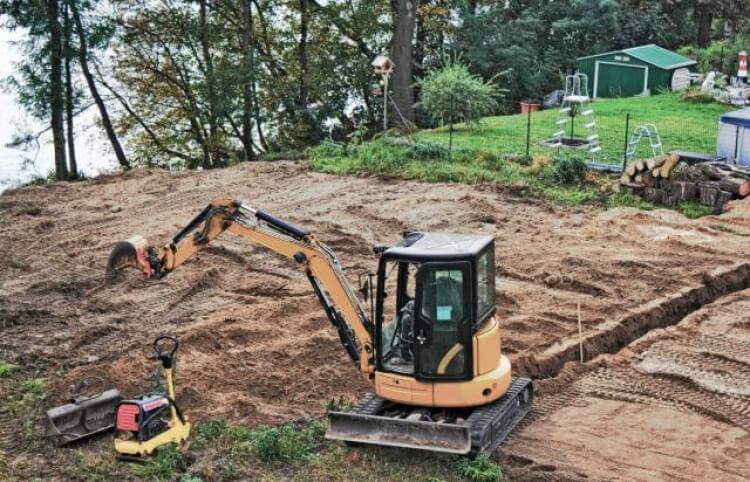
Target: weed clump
{"points": [[480, 469], [164, 466], [569, 171], [7, 369]]}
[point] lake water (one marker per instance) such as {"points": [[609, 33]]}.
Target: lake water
{"points": [[92, 150]]}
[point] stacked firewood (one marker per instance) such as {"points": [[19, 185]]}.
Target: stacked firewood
{"points": [[669, 181]]}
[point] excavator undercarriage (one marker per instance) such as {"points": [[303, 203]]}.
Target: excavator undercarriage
{"points": [[459, 431]]}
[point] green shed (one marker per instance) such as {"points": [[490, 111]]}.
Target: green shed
{"points": [[640, 70]]}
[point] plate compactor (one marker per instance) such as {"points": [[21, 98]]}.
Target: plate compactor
{"points": [[154, 419], [430, 345]]}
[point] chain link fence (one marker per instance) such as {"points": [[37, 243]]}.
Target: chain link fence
{"points": [[620, 134]]}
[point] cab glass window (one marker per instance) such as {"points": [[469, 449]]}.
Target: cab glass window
{"points": [[485, 283]]}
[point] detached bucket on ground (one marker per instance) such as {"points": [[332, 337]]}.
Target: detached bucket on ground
{"points": [[83, 417]]}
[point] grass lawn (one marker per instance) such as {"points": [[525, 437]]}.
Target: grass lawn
{"points": [[688, 126]]}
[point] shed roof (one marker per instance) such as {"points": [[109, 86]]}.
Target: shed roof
{"points": [[654, 55], [737, 118]]}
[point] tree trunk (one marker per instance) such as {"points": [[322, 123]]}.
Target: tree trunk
{"points": [[214, 159], [56, 88], [472, 4], [249, 77], [705, 20], [402, 53], [72, 163], [302, 55], [84, 60]]}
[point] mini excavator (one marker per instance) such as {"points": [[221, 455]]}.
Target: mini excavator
{"points": [[431, 346]]}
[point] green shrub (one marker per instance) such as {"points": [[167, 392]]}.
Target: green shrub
{"points": [[290, 155], [328, 149], [421, 151], [480, 469], [569, 171], [452, 93]]}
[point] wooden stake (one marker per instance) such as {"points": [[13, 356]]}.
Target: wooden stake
{"points": [[580, 330]]}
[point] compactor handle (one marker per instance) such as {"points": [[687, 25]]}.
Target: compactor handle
{"points": [[166, 356]]}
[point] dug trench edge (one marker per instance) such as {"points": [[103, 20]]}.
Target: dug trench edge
{"points": [[611, 336]]}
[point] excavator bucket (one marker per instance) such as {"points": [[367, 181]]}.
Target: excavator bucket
{"points": [[399, 432], [126, 254], [83, 417]]}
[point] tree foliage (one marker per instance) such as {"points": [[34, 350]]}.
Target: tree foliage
{"points": [[452, 94], [206, 83]]}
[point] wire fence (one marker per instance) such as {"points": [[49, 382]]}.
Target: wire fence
{"points": [[616, 136]]}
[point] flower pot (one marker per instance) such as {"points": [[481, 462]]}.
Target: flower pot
{"points": [[527, 107]]}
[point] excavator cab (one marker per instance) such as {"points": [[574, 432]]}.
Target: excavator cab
{"points": [[434, 291]]}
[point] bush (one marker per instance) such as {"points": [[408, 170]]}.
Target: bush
{"points": [[569, 171], [480, 469], [328, 149], [426, 150], [453, 94]]}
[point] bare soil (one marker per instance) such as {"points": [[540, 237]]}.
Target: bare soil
{"points": [[257, 348]]}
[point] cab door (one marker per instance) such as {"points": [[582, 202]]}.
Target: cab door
{"points": [[443, 321]]}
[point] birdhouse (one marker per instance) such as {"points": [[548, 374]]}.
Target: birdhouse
{"points": [[382, 65]]}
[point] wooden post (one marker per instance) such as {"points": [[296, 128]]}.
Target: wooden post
{"points": [[580, 330]]}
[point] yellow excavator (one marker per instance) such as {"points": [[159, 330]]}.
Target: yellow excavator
{"points": [[431, 345]]}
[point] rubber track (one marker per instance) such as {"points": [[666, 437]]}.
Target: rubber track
{"points": [[491, 424]]}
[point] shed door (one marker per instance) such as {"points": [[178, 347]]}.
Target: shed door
{"points": [[617, 80]]}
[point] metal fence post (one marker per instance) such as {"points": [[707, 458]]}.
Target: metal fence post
{"points": [[627, 133], [528, 133]]}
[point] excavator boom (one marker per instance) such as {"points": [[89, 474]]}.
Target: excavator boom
{"points": [[315, 258]]}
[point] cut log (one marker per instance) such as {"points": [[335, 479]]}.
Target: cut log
{"points": [[652, 195], [683, 191], [655, 172], [640, 166], [723, 198], [630, 170], [708, 193], [625, 178], [655, 162], [633, 188], [666, 169], [647, 179], [737, 186], [638, 179]]}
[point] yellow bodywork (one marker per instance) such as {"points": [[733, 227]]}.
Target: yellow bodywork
{"points": [[177, 432], [491, 377]]}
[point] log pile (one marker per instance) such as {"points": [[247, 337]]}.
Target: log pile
{"points": [[665, 180]]}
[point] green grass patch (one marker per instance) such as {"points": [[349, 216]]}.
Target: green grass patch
{"points": [[431, 163], [480, 468], [682, 125], [165, 466], [7, 369], [629, 200], [727, 229], [694, 210]]}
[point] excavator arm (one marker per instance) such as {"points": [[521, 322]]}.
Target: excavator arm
{"points": [[315, 258]]}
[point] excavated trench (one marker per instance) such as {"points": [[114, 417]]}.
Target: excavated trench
{"points": [[612, 336]]}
